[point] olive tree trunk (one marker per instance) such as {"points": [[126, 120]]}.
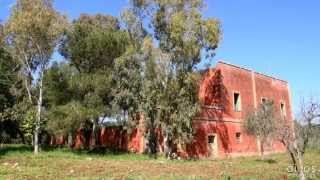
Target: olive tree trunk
{"points": [[299, 157], [300, 167]]}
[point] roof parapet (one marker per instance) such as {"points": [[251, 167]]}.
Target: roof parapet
{"points": [[236, 66], [248, 69]]}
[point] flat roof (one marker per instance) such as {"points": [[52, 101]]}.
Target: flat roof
{"points": [[248, 69]]}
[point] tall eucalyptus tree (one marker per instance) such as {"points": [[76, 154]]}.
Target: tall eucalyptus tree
{"points": [[33, 31], [180, 37]]}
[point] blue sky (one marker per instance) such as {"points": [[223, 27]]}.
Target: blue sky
{"points": [[279, 38]]}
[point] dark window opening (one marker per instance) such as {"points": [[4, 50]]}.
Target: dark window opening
{"points": [[236, 102], [263, 100], [283, 109], [211, 139], [238, 137]]}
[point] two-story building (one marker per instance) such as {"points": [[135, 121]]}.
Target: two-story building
{"points": [[227, 93]]}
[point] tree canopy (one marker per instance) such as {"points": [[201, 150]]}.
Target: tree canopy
{"points": [[33, 31], [142, 63], [92, 43], [7, 74], [178, 36]]}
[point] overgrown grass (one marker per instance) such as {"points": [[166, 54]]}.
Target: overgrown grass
{"points": [[51, 152], [18, 162]]}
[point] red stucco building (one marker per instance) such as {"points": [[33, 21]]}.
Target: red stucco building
{"points": [[227, 92]]}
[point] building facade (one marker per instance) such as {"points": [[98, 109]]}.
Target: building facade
{"points": [[227, 93]]}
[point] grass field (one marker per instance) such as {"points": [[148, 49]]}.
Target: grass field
{"points": [[18, 162]]}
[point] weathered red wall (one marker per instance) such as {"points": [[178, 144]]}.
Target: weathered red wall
{"points": [[237, 80], [227, 143], [59, 140], [226, 122], [276, 90], [217, 115], [114, 137]]}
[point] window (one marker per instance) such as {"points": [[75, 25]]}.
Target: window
{"points": [[238, 137], [211, 139], [283, 109], [236, 102], [263, 100]]}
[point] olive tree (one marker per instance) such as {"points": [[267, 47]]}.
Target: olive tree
{"points": [[261, 123], [295, 135]]}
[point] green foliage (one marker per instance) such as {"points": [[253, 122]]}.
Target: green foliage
{"points": [[92, 43], [23, 115], [181, 30], [169, 101], [73, 98], [7, 75], [10, 120], [33, 31], [67, 118], [96, 47], [261, 123], [127, 79], [314, 141], [182, 36], [27, 124], [109, 65], [145, 63], [56, 84]]}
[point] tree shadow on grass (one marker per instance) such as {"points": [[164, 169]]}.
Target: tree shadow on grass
{"points": [[100, 150], [5, 149], [10, 148], [97, 151], [269, 161], [22, 148]]}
